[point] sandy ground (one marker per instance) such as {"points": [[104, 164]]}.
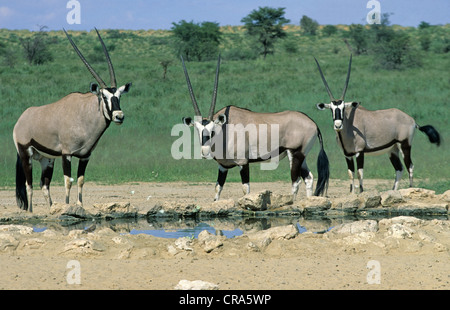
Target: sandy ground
{"points": [[112, 260]]}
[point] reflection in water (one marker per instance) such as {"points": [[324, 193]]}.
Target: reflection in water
{"points": [[190, 227]]}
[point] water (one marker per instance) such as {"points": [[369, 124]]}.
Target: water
{"points": [[229, 227]]}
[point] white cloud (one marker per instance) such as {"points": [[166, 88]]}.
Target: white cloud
{"points": [[6, 12]]}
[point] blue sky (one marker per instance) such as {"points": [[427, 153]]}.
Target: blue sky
{"points": [[160, 14]]}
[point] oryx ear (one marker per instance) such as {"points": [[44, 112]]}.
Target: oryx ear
{"points": [[353, 104], [125, 88], [187, 121], [94, 88], [323, 106], [221, 119]]}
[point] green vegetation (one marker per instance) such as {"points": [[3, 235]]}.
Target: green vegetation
{"points": [[139, 150]]}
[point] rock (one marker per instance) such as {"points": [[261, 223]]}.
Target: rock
{"points": [[115, 209], [220, 207], [21, 229], [400, 231], [196, 285], [171, 209], [8, 242], [279, 200], [74, 211], [370, 199], [422, 208], [255, 201], [209, 241], [404, 220], [356, 227], [33, 243], [445, 196], [264, 238], [184, 243], [347, 205], [391, 197], [416, 192], [315, 204], [83, 246]]}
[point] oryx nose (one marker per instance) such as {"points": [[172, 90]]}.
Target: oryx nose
{"points": [[338, 125]]}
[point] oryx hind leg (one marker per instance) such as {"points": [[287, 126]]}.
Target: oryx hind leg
{"points": [[406, 152], [299, 171], [221, 178], [80, 179], [67, 170], [24, 180], [46, 177], [395, 160], [245, 178]]}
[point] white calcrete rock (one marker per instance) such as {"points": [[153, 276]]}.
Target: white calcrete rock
{"points": [[209, 241], [196, 285], [21, 229], [400, 231], [356, 227], [391, 197], [255, 201]]}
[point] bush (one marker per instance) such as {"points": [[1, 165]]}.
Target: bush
{"points": [[396, 53], [197, 41], [308, 25], [36, 48]]}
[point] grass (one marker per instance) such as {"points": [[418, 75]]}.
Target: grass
{"points": [[139, 150]]}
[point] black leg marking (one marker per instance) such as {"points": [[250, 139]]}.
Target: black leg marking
{"points": [[67, 170], [245, 174], [360, 167], [406, 149], [351, 169]]}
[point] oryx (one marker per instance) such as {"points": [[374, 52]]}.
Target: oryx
{"points": [[69, 127], [360, 131], [294, 131]]}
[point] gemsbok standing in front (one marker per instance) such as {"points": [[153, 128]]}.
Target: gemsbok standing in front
{"points": [[295, 132], [360, 131], [70, 127]]}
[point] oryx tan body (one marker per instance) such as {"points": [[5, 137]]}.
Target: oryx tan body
{"points": [[294, 131], [360, 131], [69, 127]]}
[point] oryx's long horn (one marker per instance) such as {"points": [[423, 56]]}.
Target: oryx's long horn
{"points": [[191, 92], [91, 70], [110, 66], [348, 77], [324, 81], [216, 84]]}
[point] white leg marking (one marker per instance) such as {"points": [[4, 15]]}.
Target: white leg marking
{"points": [[309, 182], [360, 177], [218, 191], [246, 188], [351, 175], [295, 187], [398, 176], [67, 184], [80, 183], [29, 196], [411, 169]]}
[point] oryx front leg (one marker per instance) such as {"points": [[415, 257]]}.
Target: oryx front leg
{"points": [[80, 179], [351, 173], [46, 177], [395, 160], [299, 170], [221, 178], [67, 170], [245, 178], [360, 167]]}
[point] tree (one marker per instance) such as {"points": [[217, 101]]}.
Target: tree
{"points": [[266, 24], [36, 48], [197, 41], [309, 26], [358, 36], [329, 30]]}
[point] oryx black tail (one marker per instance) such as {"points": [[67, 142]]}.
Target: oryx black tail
{"points": [[432, 133], [21, 190], [323, 169]]}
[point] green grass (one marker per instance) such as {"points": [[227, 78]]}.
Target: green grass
{"points": [[139, 150]]}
